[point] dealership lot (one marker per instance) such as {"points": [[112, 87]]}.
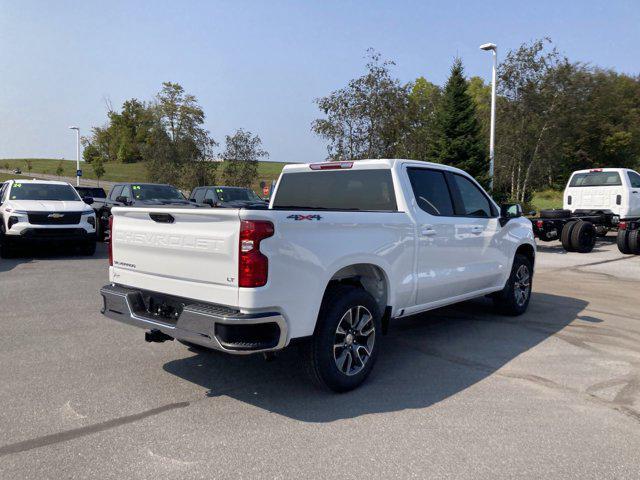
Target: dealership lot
{"points": [[457, 393]]}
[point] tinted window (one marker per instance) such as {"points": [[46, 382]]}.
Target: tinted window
{"points": [[42, 191], [226, 194], [474, 202], [370, 190], [595, 179], [116, 192], [91, 192], [634, 178], [155, 192], [210, 195], [198, 195], [431, 191]]}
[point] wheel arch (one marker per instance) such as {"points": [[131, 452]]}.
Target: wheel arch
{"points": [[370, 277], [528, 251]]}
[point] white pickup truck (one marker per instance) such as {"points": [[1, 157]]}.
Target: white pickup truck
{"points": [[343, 248]]}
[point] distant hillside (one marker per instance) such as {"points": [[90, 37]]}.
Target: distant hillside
{"points": [[120, 172]]}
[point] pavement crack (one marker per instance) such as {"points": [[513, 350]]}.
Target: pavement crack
{"points": [[68, 435]]}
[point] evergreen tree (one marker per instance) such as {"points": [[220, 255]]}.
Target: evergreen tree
{"points": [[457, 141]]}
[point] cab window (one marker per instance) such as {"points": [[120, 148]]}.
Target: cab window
{"points": [[431, 191], [115, 192], [472, 201], [634, 178]]}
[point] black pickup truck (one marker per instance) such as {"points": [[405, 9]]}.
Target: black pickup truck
{"points": [[136, 195]]}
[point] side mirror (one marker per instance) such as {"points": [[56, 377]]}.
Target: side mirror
{"points": [[122, 199], [533, 213], [509, 211], [88, 200], [209, 201]]}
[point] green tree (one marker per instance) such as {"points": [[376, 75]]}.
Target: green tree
{"points": [[179, 149], [98, 168], [457, 140], [423, 98], [29, 165], [243, 151], [60, 169], [368, 118]]}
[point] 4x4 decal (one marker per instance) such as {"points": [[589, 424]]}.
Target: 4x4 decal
{"points": [[297, 218]]}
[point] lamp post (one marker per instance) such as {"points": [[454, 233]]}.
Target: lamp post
{"points": [[492, 135], [77, 154]]}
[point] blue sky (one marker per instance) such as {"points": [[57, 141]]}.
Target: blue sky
{"points": [[260, 64]]}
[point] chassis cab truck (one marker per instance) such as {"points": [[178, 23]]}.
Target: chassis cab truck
{"points": [[343, 249]]}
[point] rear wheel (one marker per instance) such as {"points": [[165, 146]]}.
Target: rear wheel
{"points": [[623, 241], [514, 298], [6, 251], [345, 344], [583, 237], [634, 242], [565, 236]]}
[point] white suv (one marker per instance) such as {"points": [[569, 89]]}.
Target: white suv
{"points": [[39, 211]]}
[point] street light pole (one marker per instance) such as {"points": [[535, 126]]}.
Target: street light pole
{"points": [[77, 154], [492, 135]]}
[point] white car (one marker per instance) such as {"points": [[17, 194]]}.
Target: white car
{"points": [[606, 190], [38, 211], [343, 249]]}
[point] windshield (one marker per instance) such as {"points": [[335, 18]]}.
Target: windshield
{"points": [[43, 191], [233, 194], [595, 179], [91, 192], [156, 192]]}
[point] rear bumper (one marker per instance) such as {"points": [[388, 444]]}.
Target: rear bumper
{"points": [[208, 325]]}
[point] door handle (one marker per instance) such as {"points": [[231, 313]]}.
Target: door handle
{"points": [[427, 230], [477, 230]]}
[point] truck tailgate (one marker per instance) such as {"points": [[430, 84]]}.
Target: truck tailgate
{"points": [[185, 252]]}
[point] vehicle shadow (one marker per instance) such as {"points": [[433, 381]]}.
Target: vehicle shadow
{"points": [[49, 252], [423, 360]]}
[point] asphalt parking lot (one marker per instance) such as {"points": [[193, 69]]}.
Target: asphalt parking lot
{"points": [[457, 393]]}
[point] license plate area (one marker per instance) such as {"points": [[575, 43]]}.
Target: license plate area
{"points": [[160, 307]]}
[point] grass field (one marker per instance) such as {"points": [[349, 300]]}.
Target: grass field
{"points": [[9, 176], [547, 199], [120, 172]]}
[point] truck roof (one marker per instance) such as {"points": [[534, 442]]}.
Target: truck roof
{"points": [[378, 163], [37, 180], [589, 170]]}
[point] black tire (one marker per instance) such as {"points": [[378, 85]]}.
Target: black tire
{"points": [[346, 367], [6, 251], [514, 299], [634, 242], [623, 241], [99, 230], [555, 213], [89, 248], [583, 237], [565, 236]]}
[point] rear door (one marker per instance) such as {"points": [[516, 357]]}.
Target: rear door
{"points": [[440, 256], [477, 233], [188, 252]]}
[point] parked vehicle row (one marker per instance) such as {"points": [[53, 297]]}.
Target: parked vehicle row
{"points": [[594, 202], [40, 211], [343, 249]]}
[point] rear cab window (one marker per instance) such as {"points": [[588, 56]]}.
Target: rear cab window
{"points": [[364, 190], [595, 179]]}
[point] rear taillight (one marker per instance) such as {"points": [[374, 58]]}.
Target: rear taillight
{"points": [[110, 246], [622, 226], [539, 223], [569, 200], [253, 265]]}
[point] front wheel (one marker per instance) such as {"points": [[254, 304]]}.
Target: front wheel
{"points": [[345, 343], [514, 298]]}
